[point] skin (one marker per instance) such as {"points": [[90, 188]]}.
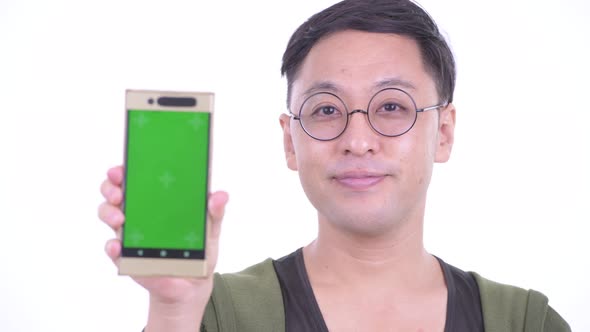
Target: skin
{"points": [[370, 190], [368, 267]]}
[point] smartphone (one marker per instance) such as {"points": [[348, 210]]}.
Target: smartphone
{"points": [[166, 183]]}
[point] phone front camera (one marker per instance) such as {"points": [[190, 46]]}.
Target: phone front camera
{"points": [[151, 101]]}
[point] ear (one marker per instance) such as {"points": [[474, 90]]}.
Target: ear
{"points": [[285, 121], [446, 134]]}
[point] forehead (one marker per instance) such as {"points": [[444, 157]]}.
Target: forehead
{"points": [[356, 63]]}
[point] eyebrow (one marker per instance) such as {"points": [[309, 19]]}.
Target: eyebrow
{"points": [[322, 86], [329, 86], [394, 82]]}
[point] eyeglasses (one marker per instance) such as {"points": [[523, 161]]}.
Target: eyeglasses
{"points": [[391, 112]]}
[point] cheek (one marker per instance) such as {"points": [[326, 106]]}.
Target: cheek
{"points": [[311, 164], [312, 159], [415, 154], [425, 138], [309, 160], [308, 151]]}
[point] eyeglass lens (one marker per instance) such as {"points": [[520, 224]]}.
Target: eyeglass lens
{"points": [[391, 112]]}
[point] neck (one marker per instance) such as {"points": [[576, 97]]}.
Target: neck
{"points": [[394, 256]]}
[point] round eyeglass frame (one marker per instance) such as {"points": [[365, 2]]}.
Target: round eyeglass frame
{"points": [[366, 112]]}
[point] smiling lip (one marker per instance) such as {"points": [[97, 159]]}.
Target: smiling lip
{"points": [[359, 180]]}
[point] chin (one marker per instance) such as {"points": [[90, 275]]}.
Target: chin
{"points": [[362, 222]]}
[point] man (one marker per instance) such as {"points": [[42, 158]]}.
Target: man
{"points": [[370, 91]]}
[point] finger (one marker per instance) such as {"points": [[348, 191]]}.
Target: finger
{"points": [[115, 175], [113, 249], [216, 210], [217, 202], [112, 193], [111, 215]]}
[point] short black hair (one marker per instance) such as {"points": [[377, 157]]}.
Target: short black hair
{"points": [[402, 17]]}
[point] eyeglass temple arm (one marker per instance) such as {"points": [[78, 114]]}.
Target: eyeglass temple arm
{"points": [[443, 105], [425, 109], [293, 116]]}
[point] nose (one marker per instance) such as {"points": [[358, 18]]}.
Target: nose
{"points": [[359, 138]]}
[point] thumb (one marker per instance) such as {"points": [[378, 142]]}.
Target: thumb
{"points": [[217, 202]]}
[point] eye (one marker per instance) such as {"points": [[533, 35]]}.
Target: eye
{"points": [[391, 107], [323, 107], [326, 110]]}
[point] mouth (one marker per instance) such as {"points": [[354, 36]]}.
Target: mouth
{"points": [[359, 180]]}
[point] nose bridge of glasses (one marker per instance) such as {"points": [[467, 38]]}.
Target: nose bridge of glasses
{"points": [[358, 110], [365, 122]]}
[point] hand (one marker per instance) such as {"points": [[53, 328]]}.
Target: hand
{"points": [[178, 299]]}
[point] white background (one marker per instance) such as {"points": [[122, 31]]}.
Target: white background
{"points": [[512, 204]]}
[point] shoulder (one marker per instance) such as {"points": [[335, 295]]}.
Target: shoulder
{"points": [[511, 308], [258, 275], [249, 300]]}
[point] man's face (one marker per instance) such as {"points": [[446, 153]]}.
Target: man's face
{"points": [[362, 181]]}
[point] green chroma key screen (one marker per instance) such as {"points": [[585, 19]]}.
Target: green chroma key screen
{"points": [[166, 183]]}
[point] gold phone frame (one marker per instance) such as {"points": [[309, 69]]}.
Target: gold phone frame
{"points": [[173, 267]]}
